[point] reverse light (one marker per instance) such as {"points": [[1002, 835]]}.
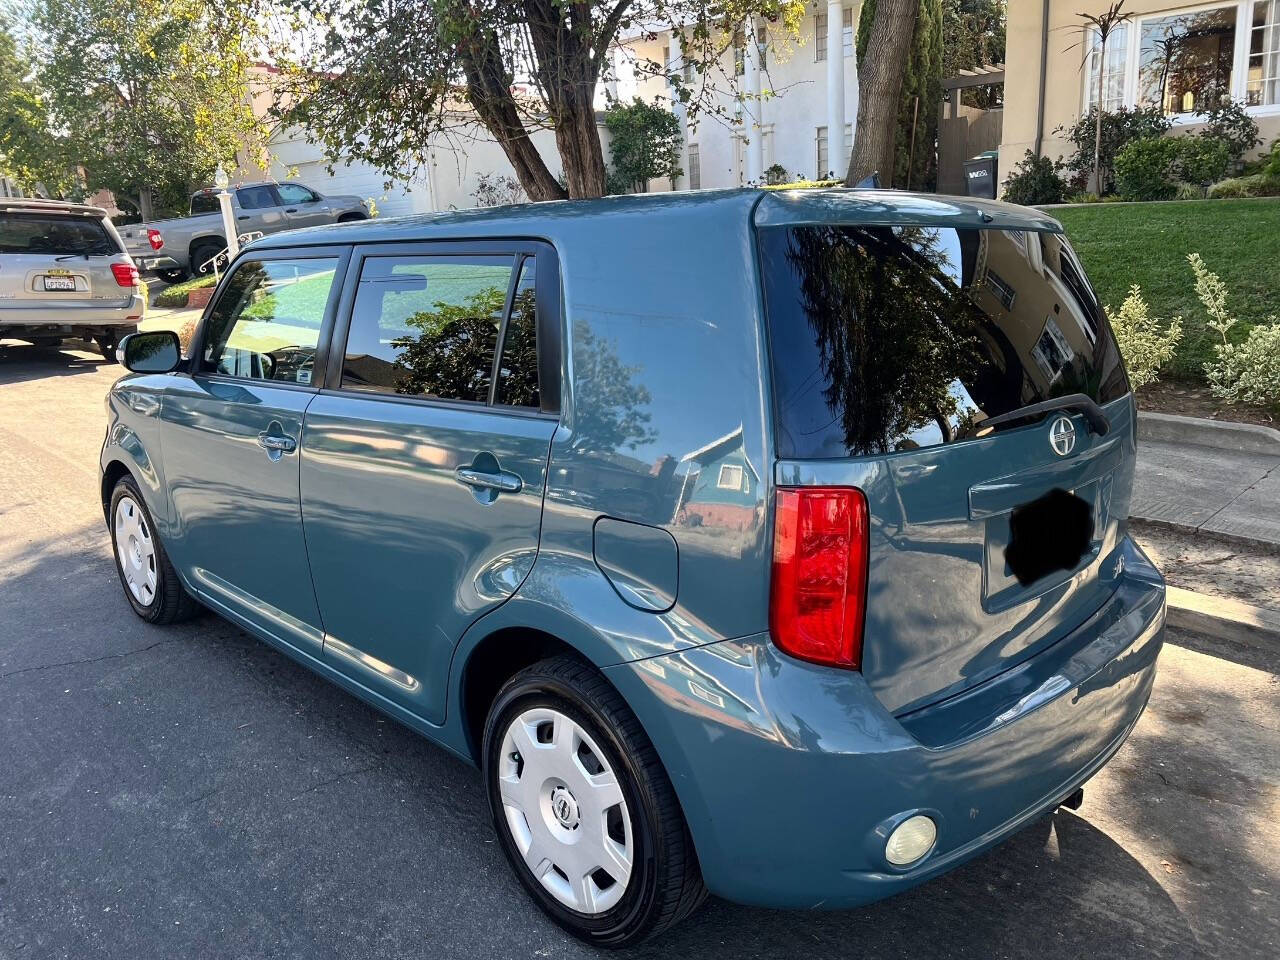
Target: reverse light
{"points": [[126, 274], [818, 594], [912, 839], [154, 238]]}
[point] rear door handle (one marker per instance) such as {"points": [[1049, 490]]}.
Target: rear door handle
{"points": [[501, 481], [276, 445], [290, 209]]}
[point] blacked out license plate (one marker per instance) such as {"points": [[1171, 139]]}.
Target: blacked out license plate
{"points": [[1049, 534]]}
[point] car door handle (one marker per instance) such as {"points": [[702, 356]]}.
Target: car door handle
{"points": [[290, 209], [501, 481], [274, 444], [243, 216]]}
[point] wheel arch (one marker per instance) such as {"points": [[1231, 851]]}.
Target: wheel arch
{"points": [[111, 475]]}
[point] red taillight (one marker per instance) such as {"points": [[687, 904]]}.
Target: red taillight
{"points": [[154, 238], [818, 596], [126, 274]]}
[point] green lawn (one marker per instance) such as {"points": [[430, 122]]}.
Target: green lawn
{"points": [[1148, 243]]}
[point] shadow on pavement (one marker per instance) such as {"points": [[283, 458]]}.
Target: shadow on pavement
{"points": [[20, 362]]}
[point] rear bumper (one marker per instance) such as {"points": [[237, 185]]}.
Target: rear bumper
{"points": [[792, 775]]}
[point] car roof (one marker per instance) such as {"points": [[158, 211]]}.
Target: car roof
{"points": [[39, 205], [721, 208]]}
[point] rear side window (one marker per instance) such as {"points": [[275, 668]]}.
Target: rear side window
{"points": [[898, 338], [430, 326], [62, 235], [266, 324], [205, 203], [255, 198]]}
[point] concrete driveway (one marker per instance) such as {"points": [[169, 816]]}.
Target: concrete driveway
{"points": [[188, 792]]}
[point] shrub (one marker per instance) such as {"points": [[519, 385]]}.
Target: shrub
{"points": [[1145, 347], [777, 173], [176, 295], [1229, 125], [1257, 185], [1202, 160], [645, 143], [1144, 169], [1246, 372], [1119, 127], [1035, 180], [497, 190]]}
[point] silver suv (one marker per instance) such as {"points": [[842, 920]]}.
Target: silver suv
{"points": [[64, 273]]}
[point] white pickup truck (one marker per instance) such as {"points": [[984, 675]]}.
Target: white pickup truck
{"points": [[176, 248]]}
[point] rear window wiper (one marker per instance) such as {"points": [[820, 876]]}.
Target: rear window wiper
{"points": [[1092, 413]]}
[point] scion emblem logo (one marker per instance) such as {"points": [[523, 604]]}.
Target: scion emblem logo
{"points": [[1062, 436]]}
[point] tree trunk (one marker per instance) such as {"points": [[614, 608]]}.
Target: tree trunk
{"points": [[578, 140], [880, 86], [1097, 130], [146, 210], [490, 95]]}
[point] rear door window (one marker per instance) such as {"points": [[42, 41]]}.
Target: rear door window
{"points": [[256, 198], [898, 338], [59, 235], [266, 323]]}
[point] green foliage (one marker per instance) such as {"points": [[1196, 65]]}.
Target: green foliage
{"points": [[775, 175], [804, 185], [1148, 244], [31, 154], [1202, 159], [1144, 169], [1247, 372], [152, 93], [496, 190], [1145, 346], [1230, 125], [645, 143], [1035, 181], [1271, 163], [921, 92], [1256, 185], [1119, 128], [176, 295], [973, 34]]}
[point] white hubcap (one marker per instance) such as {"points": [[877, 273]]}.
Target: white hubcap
{"points": [[566, 811], [135, 550]]}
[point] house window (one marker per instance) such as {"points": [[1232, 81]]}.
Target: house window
{"points": [[1112, 71], [739, 53], [1185, 60], [848, 139], [846, 31], [730, 477], [695, 168], [762, 41], [688, 72], [822, 154], [820, 37], [1262, 86]]}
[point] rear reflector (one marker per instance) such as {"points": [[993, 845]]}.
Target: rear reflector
{"points": [[817, 600], [154, 238], [126, 274]]}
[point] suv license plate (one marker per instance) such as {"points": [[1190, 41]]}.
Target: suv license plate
{"points": [[60, 283]]}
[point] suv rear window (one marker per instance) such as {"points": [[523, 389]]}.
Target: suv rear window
{"points": [[55, 233], [898, 338]]}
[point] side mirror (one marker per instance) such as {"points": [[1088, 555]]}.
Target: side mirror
{"points": [[157, 351]]}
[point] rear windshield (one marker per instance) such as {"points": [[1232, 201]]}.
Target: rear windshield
{"points": [[898, 338], [204, 203], [54, 233]]}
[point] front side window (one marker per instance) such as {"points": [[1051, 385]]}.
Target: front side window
{"points": [[294, 193], [427, 326], [256, 198], [266, 324], [1263, 84], [1185, 60], [897, 338], [1112, 64]]}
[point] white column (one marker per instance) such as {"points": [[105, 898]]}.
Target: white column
{"points": [[835, 90], [851, 108], [754, 107]]}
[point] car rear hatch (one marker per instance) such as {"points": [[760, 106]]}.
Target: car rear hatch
{"points": [[59, 259], [906, 354]]}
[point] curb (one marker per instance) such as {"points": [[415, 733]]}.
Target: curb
{"points": [[1221, 618], [1223, 434], [1226, 539]]}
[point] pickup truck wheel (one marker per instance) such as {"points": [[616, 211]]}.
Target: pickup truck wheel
{"points": [[201, 252], [172, 276]]}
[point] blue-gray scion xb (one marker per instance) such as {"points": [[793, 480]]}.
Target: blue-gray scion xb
{"points": [[766, 544]]}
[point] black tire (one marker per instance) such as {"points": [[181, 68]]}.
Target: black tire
{"points": [[665, 884], [172, 276], [46, 343], [351, 217], [107, 342], [202, 251], [171, 602]]}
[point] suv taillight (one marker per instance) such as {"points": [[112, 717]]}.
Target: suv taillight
{"points": [[126, 274], [818, 595], [154, 238]]}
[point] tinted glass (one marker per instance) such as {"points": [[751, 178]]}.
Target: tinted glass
{"points": [[896, 338], [427, 326], [266, 325], [518, 372], [205, 203], [292, 193], [50, 233], [255, 198]]}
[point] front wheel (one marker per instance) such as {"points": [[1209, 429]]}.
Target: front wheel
{"points": [[172, 276], [583, 808], [151, 585]]}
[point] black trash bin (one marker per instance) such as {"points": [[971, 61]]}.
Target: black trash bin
{"points": [[980, 174]]}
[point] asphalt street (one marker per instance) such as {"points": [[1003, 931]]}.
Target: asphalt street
{"points": [[188, 792]]}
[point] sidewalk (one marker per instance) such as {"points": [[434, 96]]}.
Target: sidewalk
{"points": [[1222, 489]]}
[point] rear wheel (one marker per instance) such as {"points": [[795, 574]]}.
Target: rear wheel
{"points": [[201, 253], [151, 585], [583, 808], [107, 343], [172, 276]]}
